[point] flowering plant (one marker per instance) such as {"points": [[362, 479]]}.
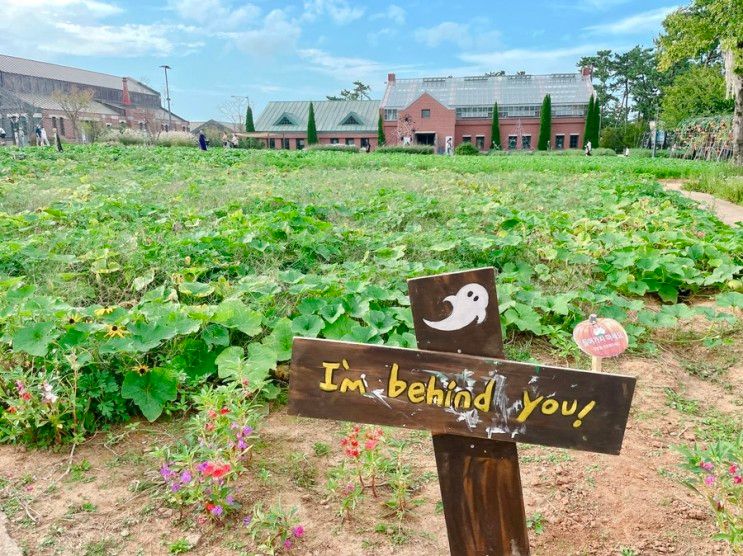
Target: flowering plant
{"points": [[200, 473], [715, 473], [276, 530]]}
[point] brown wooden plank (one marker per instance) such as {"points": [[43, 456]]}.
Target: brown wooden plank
{"points": [[479, 478], [427, 296], [498, 393]]}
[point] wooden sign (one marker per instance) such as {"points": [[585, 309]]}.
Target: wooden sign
{"points": [[476, 403], [460, 394]]}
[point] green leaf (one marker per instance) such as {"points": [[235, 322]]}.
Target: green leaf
{"points": [[380, 321], [150, 391], [281, 339], [196, 289], [668, 293], [338, 329], [35, 339], [308, 326], [230, 363], [261, 359], [332, 311], [216, 335], [233, 313], [730, 299], [141, 282]]}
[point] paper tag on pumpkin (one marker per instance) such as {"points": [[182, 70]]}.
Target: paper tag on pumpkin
{"points": [[601, 337]]}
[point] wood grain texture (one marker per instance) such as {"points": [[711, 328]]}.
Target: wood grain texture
{"points": [[549, 391], [479, 478]]}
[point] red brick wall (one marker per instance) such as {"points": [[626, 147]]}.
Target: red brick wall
{"points": [[323, 138], [442, 121]]}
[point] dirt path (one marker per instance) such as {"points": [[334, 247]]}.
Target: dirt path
{"points": [[728, 212]]}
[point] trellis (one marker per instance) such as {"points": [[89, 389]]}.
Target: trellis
{"points": [[709, 138]]}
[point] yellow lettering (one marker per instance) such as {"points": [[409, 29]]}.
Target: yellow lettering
{"points": [[529, 406], [450, 392], [417, 392], [550, 406], [395, 386], [463, 395], [348, 384], [433, 393], [327, 385], [583, 412], [483, 401], [566, 411]]}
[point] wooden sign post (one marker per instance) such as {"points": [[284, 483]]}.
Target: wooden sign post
{"points": [[476, 404]]}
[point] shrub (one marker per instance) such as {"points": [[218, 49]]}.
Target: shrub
{"points": [[603, 152], [250, 143], [124, 136], [176, 139], [333, 147], [467, 149], [409, 149]]}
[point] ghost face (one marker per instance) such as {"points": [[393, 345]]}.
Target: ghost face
{"points": [[468, 304]]}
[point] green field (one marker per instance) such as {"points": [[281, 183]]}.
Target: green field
{"points": [[164, 257]]}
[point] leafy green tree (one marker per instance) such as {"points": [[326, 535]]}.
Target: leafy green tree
{"points": [[311, 127], [698, 92], [588, 129], [700, 28], [545, 124], [596, 123], [495, 129], [360, 91], [249, 124], [381, 139]]}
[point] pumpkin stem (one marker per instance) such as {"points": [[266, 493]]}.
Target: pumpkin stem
{"points": [[592, 319]]}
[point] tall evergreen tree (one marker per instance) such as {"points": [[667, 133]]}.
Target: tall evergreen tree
{"points": [[545, 124], [596, 130], [249, 124], [311, 127], [495, 129], [588, 130], [381, 139]]}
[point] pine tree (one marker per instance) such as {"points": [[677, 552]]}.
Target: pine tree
{"points": [[545, 124], [588, 130], [495, 129], [311, 127], [381, 139], [249, 124], [596, 131]]}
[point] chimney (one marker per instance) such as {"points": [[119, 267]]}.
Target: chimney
{"points": [[125, 100], [390, 78], [587, 71]]}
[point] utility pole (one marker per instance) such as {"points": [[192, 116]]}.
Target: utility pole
{"points": [[167, 96]]}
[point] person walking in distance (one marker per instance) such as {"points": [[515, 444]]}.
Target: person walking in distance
{"points": [[37, 132], [202, 140], [44, 138], [588, 149], [57, 140]]}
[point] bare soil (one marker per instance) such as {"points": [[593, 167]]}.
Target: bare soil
{"points": [[103, 498]]}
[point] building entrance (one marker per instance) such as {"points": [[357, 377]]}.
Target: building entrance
{"points": [[425, 139]]}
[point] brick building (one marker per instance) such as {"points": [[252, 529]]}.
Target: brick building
{"points": [[283, 125], [430, 110], [27, 90]]}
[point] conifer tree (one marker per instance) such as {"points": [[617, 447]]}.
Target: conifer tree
{"points": [[588, 130], [249, 124], [495, 129], [381, 139], [596, 123], [545, 125], [311, 127]]}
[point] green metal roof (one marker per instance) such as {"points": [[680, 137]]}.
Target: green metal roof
{"points": [[329, 115]]}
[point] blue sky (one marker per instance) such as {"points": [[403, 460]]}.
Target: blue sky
{"points": [[306, 49]]}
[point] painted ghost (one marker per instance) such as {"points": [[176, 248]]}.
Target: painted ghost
{"points": [[469, 304]]}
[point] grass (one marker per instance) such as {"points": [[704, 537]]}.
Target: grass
{"points": [[719, 183]]}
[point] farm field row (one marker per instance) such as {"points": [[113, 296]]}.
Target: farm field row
{"points": [[162, 282]]}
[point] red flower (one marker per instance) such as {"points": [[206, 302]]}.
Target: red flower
{"points": [[224, 411], [371, 444], [216, 471], [209, 426], [210, 506], [26, 396], [212, 414], [12, 409]]}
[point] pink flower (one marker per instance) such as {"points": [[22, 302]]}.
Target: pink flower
{"points": [[707, 465], [737, 479], [287, 544], [298, 531], [733, 469], [216, 511], [370, 444], [709, 480]]}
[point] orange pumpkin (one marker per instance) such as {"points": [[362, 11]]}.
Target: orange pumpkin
{"points": [[601, 337]]}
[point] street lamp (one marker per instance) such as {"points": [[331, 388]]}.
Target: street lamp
{"points": [[167, 96]]}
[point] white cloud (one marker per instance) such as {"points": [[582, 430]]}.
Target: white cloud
{"points": [[638, 23], [340, 11], [277, 34], [80, 27], [393, 12], [343, 68], [445, 32], [534, 61], [215, 14]]}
